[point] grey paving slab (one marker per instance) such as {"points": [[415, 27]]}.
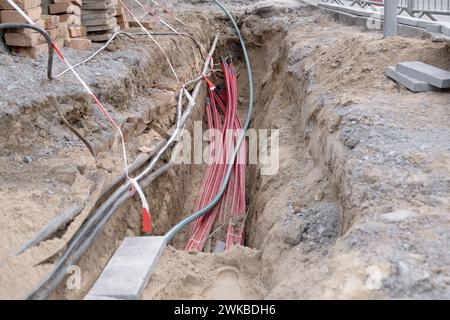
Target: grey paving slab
{"points": [[445, 28], [91, 297], [409, 21], [351, 10], [430, 26], [424, 72], [410, 83], [129, 270]]}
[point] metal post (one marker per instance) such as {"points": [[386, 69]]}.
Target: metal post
{"points": [[390, 18]]}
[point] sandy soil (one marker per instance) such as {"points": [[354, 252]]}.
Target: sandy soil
{"points": [[232, 275]]}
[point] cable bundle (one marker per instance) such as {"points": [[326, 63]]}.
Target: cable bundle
{"points": [[225, 129]]}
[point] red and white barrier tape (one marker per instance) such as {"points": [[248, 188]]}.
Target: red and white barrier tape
{"points": [[146, 216], [135, 184]]}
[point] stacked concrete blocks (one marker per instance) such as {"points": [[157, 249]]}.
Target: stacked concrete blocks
{"points": [[418, 76], [99, 17], [127, 273]]}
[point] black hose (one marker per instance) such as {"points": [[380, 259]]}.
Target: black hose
{"points": [[46, 36]]}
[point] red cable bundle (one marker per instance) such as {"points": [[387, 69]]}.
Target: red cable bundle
{"points": [[225, 128]]}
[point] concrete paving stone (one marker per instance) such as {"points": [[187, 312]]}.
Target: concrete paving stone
{"points": [[91, 297], [424, 72], [445, 28], [409, 21], [351, 10], [410, 83], [430, 26], [128, 272]]}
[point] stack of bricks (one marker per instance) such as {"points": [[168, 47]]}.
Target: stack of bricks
{"points": [[26, 42], [69, 13], [99, 17], [122, 19]]}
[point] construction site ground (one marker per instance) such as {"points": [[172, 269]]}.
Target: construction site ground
{"points": [[358, 209]]}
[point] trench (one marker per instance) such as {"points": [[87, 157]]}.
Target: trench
{"points": [[280, 220], [245, 272], [345, 214], [296, 207]]}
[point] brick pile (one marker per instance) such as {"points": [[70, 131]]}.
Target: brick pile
{"points": [[26, 42], [99, 17], [69, 13], [70, 23]]}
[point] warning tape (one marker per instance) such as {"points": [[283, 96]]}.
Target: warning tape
{"points": [[146, 217]]}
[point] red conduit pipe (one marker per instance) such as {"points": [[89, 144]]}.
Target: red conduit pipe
{"points": [[232, 206]]}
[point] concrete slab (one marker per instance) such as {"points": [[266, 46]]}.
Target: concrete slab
{"points": [[430, 26], [445, 28], [412, 84], [424, 72], [352, 10], [91, 297], [127, 273], [409, 21], [346, 18], [412, 32]]}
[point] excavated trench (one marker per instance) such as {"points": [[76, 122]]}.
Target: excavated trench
{"points": [[312, 224], [240, 272], [312, 218], [280, 91], [339, 217], [177, 191]]}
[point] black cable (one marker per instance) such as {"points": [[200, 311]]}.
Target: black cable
{"points": [[46, 36]]}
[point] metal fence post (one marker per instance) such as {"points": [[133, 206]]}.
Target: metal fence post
{"points": [[390, 18]]}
